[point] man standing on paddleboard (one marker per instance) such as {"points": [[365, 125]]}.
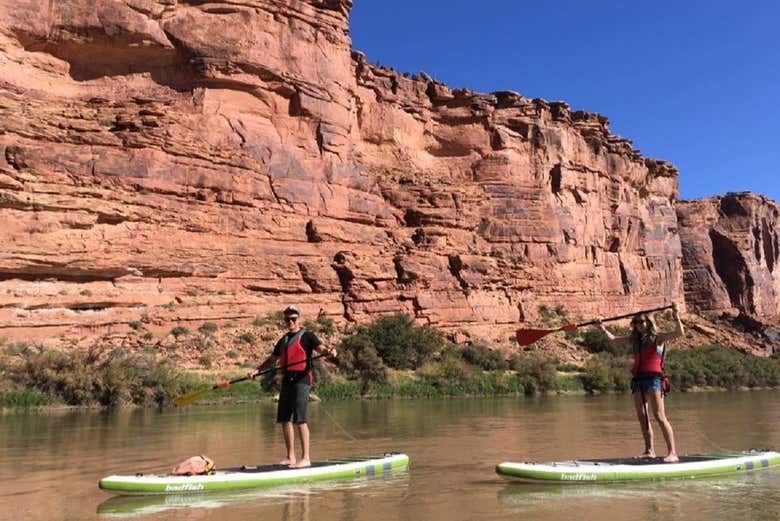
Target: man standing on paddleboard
{"points": [[647, 384], [293, 352]]}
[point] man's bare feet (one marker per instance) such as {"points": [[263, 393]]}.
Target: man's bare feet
{"points": [[648, 454], [301, 464], [671, 458], [287, 462]]}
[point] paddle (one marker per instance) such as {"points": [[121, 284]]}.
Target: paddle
{"points": [[191, 396], [529, 336]]}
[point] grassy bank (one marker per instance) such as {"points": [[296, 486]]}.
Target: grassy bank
{"points": [[388, 358]]}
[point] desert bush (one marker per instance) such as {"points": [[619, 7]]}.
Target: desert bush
{"points": [[179, 331], [400, 343], [322, 325], [484, 357], [595, 341], [358, 357], [450, 375], [208, 328], [95, 376], [606, 372], [246, 338], [537, 373], [720, 366]]}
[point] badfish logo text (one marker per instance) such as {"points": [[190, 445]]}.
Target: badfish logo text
{"points": [[184, 487], [578, 477]]}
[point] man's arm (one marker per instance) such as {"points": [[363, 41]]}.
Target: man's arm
{"points": [[267, 363]]}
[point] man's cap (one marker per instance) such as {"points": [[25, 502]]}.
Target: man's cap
{"points": [[292, 310]]}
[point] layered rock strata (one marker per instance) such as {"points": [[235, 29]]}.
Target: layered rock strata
{"points": [[731, 254], [181, 161]]}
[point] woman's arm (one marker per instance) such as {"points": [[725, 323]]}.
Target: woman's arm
{"points": [[612, 338], [678, 330]]}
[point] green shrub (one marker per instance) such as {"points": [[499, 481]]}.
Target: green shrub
{"points": [[136, 324], [321, 326], [24, 398], [719, 366], [179, 331], [595, 341], [246, 338], [147, 336], [484, 357], [208, 328], [94, 376], [400, 343], [606, 372], [358, 357], [536, 373], [451, 375]]}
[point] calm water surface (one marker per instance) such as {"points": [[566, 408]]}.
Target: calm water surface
{"points": [[51, 462]]}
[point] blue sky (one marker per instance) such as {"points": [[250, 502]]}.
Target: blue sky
{"points": [[693, 82]]}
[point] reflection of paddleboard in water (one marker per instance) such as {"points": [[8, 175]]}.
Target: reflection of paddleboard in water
{"points": [[253, 477], [139, 506], [615, 470]]}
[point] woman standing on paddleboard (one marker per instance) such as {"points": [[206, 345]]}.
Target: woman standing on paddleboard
{"points": [[649, 349]]}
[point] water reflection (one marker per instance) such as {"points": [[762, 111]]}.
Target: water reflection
{"points": [[294, 501], [745, 496]]}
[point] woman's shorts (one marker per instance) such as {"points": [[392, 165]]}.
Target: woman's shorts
{"points": [[646, 384]]}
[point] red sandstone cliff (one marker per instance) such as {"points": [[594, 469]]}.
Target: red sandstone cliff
{"points": [[190, 161], [731, 254]]}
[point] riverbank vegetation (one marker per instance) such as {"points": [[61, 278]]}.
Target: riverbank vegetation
{"points": [[390, 357]]}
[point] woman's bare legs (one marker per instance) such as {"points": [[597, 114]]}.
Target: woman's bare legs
{"points": [[655, 401], [644, 422]]}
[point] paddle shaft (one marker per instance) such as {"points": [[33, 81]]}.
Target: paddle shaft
{"points": [[529, 336], [222, 385], [590, 323], [272, 369], [194, 395]]}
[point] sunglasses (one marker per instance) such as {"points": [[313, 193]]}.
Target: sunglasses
{"points": [[638, 322], [290, 319]]}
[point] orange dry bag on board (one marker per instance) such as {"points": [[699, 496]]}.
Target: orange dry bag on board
{"points": [[193, 466]]}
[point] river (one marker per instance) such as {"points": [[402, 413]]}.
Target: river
{"points": [[52, 460]]}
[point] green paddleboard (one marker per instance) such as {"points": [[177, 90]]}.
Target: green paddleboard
{"points": [[249, 477], [615, 470]]}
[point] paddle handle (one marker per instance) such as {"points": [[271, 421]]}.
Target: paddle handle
{"points": [[670, 306]]}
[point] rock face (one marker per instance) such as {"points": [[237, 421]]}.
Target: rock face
{"points": [[181, 161], [731, 254]]}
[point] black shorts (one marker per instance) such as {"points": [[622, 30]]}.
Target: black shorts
{"points": [[293, 400]]}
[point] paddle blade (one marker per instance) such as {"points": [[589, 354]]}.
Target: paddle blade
{"points": [[190, 397], [527, 337]]}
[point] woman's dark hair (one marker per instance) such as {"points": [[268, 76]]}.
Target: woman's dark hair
{"points": [[650, 331]]}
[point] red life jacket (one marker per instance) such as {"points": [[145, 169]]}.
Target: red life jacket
{"points": [[648, 359], [294, 357]]}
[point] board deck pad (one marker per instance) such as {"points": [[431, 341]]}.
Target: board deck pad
{"points": [[248, 477], [636, 469]]}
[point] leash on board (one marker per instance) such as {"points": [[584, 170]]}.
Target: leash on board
{"points": [[335, 422]]}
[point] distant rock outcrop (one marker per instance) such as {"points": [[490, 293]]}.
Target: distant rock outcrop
{"points": [[178, 161], [731, 254]]}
